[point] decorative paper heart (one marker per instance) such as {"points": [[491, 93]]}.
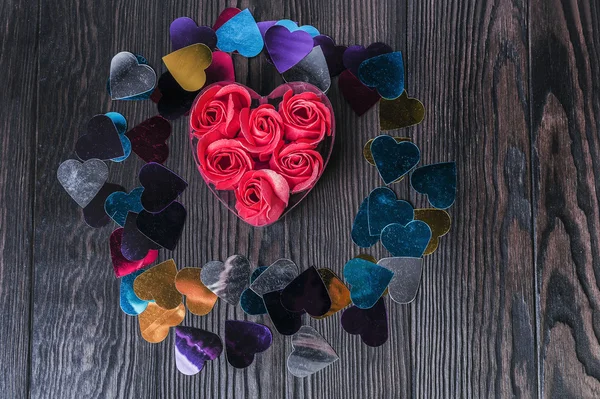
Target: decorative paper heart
{"points": [[439, 222], [143, 96], [360, 227], [221, 69], [355, 55], [128, 78], [401, 112], [121, 125], [385, 208], [82, 181], [385, 73], [371, 324], [360, 97], [407, 277], [276, 277], [156, 321], [135, 245], [293, 26], [158, 284], [337, 290], [311, 69], [263, 26], [438, 182], [324, 148], [163, 228], [250, 302], [307, 293], [394, 160], [174, 101], [121, 265], [194, 347], [118, 204], [367, 150], [100, 141], [184, 32], [149, 139], [240, 33], [198, 299], [130, 303], [243, 339], [225, 16], [310, 353], [227, 279], [94, 213], [287, 48], [161, 186], [285, 322], [187, 65], [407, 241], [367, 280], [333, 54]]}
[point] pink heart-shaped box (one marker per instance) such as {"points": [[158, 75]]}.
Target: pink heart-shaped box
{"points": [[324, 147]]}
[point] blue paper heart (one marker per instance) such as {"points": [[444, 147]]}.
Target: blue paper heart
{"points": [[385, 73], [130, 303], [251, 302], [385, 208], [360, 227], [121, 125], [392, 159], [118, 204], [406, 241], [368, 281], [292, 26], [438, 182], [240, 34]]}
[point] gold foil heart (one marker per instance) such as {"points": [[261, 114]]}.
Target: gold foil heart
{"points": [[158, 284], [156, 321], [439, 221], [401, 112], [338, 292], [198, 299], [187, 65]]}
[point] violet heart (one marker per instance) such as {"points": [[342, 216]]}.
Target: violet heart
{"points": [[307, 292], [184, 32], [163, 228], [244, 339], [161, 186], [149, 139], [135, 245], [333, 54], [355, 55], [371, 324], [285, 322], [286, 48], [100, 141], [194, 347]]}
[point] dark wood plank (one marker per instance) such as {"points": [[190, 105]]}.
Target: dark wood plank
{"points": [[565, 70], [474, 319], [19, 63]]}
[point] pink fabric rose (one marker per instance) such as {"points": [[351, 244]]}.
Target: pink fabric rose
{"points": [[261, 197], [261, 130], [299, 164], [306, 118]]}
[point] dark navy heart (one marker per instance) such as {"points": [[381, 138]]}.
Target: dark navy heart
{"points": [[148, 139], [394, 159], [118, 204], [307, 292], [161, 186], [184, 32], [384, 73], [100, 141], [368, 281], [438, 182], [135, 245], [407, 241], [285, 322], [371, 324], [244, 339], [360, 97], [251, 302], [163, 228], [355, 55], [94, 213], [334, 55], [385, 208], [360, 227]]}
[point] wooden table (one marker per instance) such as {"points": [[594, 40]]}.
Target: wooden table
{"points": [[509, 303]]}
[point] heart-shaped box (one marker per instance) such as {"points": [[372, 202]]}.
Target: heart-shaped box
{"points": [[261, 161]]}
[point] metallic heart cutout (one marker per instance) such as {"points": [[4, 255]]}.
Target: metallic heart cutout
{"points": [[401, 112], [244, 339], [393, 160], [385, 73], [198, 298], [276, 277], [439, 222], [368, 281], [371, 324], [384, 208], [407, 277], [128, 78], [227, 279], [188, 65], [438, 182], [158, 284], [310, 353], [338, 292], [155, 321], [311, 69], [82, 181], [410, 240], [194, 347], [101, 140]]}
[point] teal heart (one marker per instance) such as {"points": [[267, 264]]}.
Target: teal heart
{"points": [[385, 73], [292, 26], [392, 159], [130, 303], [240, 34], [252, 303], [368, 281], [118, 204], [121, 124], [406, 241], [438, 182], [360, 227], [385, 208]]}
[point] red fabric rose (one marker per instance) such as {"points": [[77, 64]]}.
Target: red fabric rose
{"points": [[218, 109], [261, 197], [299, 164], [306, 118], [223, 162], [261, 130]]}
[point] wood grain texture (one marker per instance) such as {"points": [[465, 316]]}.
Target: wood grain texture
{"points": [[565, 52]]}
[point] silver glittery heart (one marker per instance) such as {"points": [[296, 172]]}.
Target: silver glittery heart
{"points": [[82, 181], [407, 277], [128, 78], [310, 353], [312, 69], [276, 277], [227, 279]]}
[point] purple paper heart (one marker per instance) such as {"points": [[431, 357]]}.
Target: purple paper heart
{"points": [[355, 55], [135, 245], [286, 48], [163, 228], [184, 32], [285, 322], [194, 347], [371, 324], [307, 292], [333, 54], [243, 339], [263, 26], [161, 186]]}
